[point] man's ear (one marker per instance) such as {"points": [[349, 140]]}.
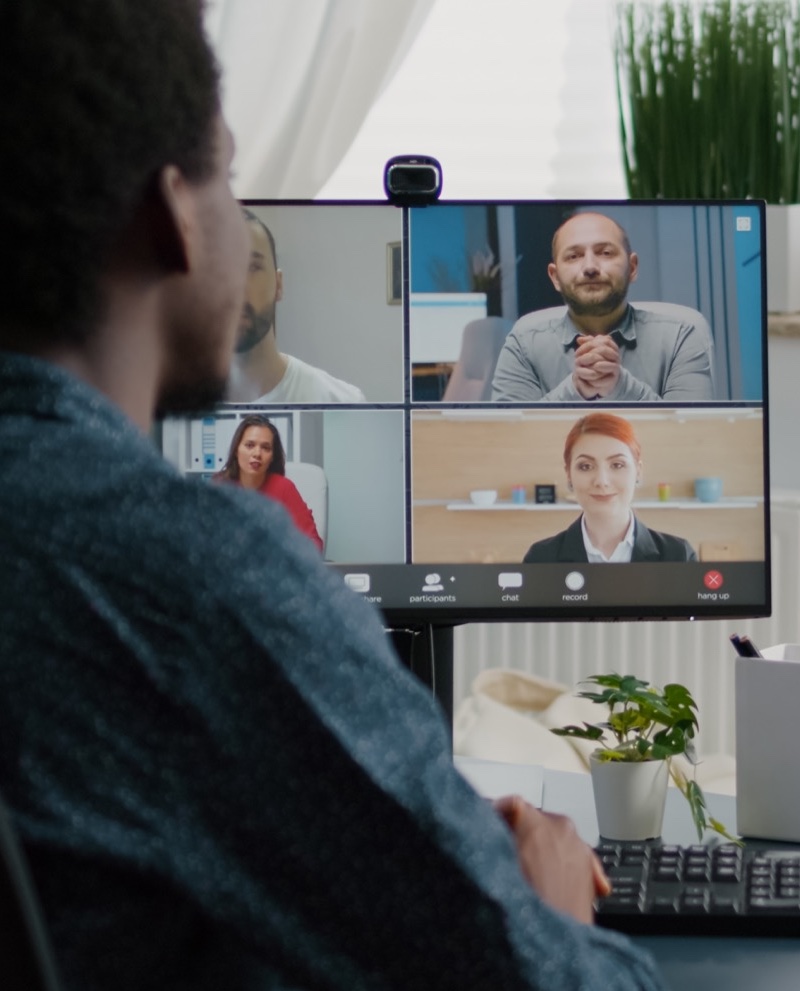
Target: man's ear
{"points": [[174, 219], [551, 271], [278, 284], [633, 266]]}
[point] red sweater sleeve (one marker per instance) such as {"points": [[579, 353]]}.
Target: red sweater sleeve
{"points": [[283, 490]]}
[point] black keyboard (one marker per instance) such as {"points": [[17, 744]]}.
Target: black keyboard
{"points": [[723, 890]]}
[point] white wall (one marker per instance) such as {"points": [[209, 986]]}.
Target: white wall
{"points": [[516, 98], [364, 465], [784, 411]]}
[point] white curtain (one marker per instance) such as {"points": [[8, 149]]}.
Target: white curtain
{"points": [[516, 98], [299, 78]]}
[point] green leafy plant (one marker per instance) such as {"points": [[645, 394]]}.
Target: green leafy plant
{"points": [[647, 723], [709, 100]]}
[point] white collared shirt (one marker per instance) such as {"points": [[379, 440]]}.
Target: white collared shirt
{"points": [[621, 554]]}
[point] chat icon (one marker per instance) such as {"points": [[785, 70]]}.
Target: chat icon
{"points": [[509, 579]]}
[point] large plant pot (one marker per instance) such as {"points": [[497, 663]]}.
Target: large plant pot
{"points": [[629, 798], [783, 258]]}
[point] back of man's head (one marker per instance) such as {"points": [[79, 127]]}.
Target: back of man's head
{"points": [[97, 96]]}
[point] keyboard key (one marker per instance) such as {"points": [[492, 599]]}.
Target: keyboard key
{"points": [[726, 874], [666, 873], [694, 904], [664, 904], [724, 906], [626, 905], [774, 904]]}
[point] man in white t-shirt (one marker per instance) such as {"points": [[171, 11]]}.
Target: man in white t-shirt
{"points": [[260, 372]]}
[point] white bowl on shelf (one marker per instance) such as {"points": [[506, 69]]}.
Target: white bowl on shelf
{"points": [[483, 497]]}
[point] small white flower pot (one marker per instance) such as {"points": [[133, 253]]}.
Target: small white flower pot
{"points": [[629, 798]]}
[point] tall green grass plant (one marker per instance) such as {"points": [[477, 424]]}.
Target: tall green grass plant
{"points": [[709, 98]]}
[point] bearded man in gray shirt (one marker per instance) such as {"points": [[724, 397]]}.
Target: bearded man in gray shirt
{"points": [[602, 347]]}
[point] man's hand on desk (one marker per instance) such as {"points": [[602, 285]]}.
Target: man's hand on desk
{"points": [[560, 867]]}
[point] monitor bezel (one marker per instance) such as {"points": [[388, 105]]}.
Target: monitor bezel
{"points": [[448, 614]]}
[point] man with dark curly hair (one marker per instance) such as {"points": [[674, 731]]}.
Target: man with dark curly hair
{"points": [[220, 773]]}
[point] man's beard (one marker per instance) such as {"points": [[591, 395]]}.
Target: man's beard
{"points": [[597, 308], [253, 327], [194, 400]]}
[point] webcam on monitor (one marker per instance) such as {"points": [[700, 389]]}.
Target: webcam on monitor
{"points": [[412, 180]]}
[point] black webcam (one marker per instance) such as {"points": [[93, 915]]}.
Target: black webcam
{"points": [[412, 180]]}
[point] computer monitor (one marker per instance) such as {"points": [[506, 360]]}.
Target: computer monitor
{"points": [[430, 381]]}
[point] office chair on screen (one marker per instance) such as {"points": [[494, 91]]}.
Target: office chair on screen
{"points": [[312, 484], [26, 958], [471, 378]]}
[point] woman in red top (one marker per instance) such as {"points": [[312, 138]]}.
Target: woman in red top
{"points": [[256, 460]]}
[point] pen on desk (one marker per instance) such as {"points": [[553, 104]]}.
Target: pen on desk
{"points": [[744, 646], [750, 647]]}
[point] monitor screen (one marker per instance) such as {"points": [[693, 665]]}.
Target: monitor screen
{"points": [[507, 410]]}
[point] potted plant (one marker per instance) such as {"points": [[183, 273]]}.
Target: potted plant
{"points": [[645, 728], [709, 108]]}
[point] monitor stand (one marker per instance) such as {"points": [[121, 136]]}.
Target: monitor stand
{"points": [[427, 651]]}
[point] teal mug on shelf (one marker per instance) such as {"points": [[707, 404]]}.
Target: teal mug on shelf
{"points": [[708, 489]]}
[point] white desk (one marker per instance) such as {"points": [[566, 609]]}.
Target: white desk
{"points": [[689, 963]]}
